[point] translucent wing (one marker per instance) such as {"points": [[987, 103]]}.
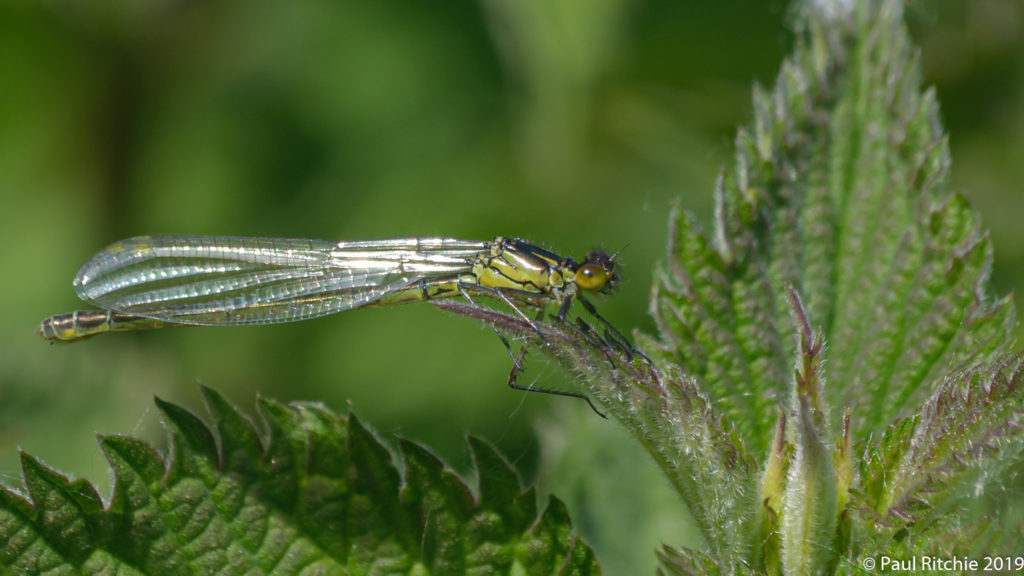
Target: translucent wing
{"points": [[238, 281]]}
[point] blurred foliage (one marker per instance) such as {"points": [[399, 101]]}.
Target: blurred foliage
{"points": [[574, 124]]}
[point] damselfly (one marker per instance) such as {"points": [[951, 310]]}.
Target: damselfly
{"points": [[160, 281]]}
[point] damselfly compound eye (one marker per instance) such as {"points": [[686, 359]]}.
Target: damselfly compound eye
{"points": [[591, 277]]}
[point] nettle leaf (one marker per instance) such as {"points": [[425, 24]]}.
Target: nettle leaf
{"points": [[839, 195], [807, 517], [315, 493], [964, 444], [835, 225], [839, 191]]}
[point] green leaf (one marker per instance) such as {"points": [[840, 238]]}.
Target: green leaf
{"points": [[500, 490], [62, 514], [809, 512], [834, 225], [838, 190], [316, 493], [964, 445]]}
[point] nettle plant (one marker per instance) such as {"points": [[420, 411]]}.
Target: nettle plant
{"points": [[831, 382]]}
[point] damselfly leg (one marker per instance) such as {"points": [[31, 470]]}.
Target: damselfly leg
{"points": [[506, 295], [513, 382]]}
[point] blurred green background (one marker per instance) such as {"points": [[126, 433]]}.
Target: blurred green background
{"points": [[572, 123]]}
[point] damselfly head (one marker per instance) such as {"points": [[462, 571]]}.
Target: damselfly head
{"points": [[597, 273]]}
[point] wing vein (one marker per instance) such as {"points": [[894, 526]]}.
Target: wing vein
{"points": [[237, 280]]}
